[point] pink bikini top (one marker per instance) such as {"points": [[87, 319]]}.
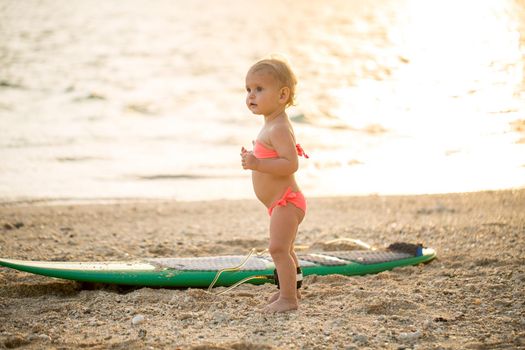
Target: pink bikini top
{"points": [[260, 151]]}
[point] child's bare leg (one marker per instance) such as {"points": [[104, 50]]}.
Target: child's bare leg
{"points": [[283, 228], [275, 296]]}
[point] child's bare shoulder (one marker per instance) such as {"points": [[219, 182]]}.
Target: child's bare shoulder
{"points": [[282, 130], [280, 133]]}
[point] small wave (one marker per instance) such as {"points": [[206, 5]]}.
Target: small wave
{"points": [[141, 108], [8, 84], [335, 164], [184, 177], [24, 143], [93, 96], [505, 111], [329, 121], [76, 159], [300, 118], [374, 129], [51, 201], [322, 122]]}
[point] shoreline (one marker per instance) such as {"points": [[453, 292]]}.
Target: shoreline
{"points": [[471, 296], [43, 201]]}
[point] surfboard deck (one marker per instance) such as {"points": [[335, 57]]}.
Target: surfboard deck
{"points": [[201, 271]]}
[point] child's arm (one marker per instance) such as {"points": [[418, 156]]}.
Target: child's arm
{"points": [[284, 144]]}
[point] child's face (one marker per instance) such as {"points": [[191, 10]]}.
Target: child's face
{"points": [[264, 93]]}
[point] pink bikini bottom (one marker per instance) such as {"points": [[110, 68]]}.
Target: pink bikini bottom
{"points": [[296, 198]]}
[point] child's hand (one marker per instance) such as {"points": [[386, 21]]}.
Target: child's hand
{"points": [[248, 160]]}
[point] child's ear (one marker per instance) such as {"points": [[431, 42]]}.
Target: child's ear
{"points": [[285, 94]]}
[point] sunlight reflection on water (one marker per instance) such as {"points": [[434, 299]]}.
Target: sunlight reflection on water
{"points": [[444, 105], [103, 101]]}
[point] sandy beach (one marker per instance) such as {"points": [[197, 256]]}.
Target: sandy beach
{"points": [[471, 297], [121, 130]]}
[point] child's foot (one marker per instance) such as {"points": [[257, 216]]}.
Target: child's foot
{"points": [[276, 295], [282, 305]]}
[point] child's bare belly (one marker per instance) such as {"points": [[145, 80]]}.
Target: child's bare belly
{"points": [[270, 188]]}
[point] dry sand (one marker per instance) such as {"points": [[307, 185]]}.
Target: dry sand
{"points": [[471, 297]]}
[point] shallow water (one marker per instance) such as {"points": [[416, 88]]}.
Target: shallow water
{"points": [[112, 99]]}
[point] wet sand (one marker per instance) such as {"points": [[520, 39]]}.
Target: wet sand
{"points": [[471, 297]]}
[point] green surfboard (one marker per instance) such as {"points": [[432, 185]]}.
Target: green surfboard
{"points": [[201, 271]]}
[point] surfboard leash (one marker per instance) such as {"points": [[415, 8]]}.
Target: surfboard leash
{"points": [[237, 268]]}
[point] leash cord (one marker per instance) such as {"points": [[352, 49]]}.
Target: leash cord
{"points": [[237, 268]]}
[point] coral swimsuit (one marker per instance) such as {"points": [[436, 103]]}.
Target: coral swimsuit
{"points": [[296, 198], [260, 151]]}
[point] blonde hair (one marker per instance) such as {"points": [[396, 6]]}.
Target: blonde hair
{"points": [[280, 69]]}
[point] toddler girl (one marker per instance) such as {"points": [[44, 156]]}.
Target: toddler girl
{"points": [[270, 86]]}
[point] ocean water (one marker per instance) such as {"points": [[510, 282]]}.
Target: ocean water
{"points": [[145, 99]]}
